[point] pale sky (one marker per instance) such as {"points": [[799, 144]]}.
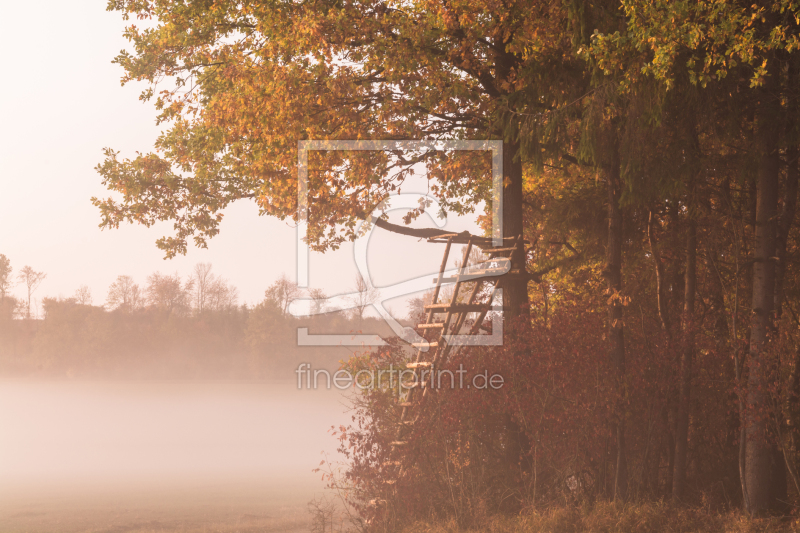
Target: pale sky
{"points": [[61, 103]]}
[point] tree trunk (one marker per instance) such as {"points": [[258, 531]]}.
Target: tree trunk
{"points": [[661, 289], [789, 204], [784, 225], [682, 422], [515, 289], [613, 273], [761, 471], [515, 297]]}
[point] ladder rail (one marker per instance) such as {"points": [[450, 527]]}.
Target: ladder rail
{"points": [[429, 318]]}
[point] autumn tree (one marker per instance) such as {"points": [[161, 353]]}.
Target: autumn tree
{"points": [[263, 77], [221, 295], [169, 293], [282, 292], [260, 78], [124, 294], [756, 42]]}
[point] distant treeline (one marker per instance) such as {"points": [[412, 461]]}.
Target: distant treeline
{"points": [[171, 329]]}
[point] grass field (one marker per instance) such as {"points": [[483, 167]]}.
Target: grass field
{"points": [[245, 506]]}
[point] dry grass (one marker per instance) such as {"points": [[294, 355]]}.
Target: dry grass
{"points": [[619, 518]]}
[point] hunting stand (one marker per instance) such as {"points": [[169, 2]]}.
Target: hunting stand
{"points": [[485, 282]]}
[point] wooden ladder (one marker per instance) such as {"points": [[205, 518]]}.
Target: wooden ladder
{"points": [[431, 354]]}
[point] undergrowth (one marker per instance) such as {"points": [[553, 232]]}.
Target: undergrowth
{"points": [[604, 517]]}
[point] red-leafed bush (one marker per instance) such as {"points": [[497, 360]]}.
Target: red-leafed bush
{"points": [[546, 436]]}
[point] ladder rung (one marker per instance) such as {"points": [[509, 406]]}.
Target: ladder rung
{"points": [[404, 404], [421, 364], [398, 443], [431, 326], [475, 274], [458, 238], [496, 273], [414, 384], [407, 423], [456, 308], [484, 272], [425, 344], [499, 250], [506, 239]]}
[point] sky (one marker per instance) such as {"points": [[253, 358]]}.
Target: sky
{"points": [[61, 103]]}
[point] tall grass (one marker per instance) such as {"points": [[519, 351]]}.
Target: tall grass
{"points": [[604, 517]]}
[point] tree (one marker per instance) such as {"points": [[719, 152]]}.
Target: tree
{"points": [[124, 294], [265, 77], [282, 292], [31, 279], [169, 293], [83, 295], [762, 469], [416, 306], [221, 296], [756, 41], [319, 297], [364, 295], [5, 277], [210, 292], [613, 275], [360, 70], [203, 281]]}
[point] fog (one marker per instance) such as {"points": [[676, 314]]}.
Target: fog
{"points": [[162, 456]]}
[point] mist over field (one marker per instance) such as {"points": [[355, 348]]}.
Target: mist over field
{"points": [[167, 408], [152, 456]]}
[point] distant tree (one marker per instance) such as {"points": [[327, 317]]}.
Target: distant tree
{"points": [[31, 279], [416, 305], [364, 296], [221, 296], [203, 281], [5, 277], [168, 293], [124, 294], [8, 306], [211, 292], [282, 292], [319, 297], [265, 333], [83, 295]]}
